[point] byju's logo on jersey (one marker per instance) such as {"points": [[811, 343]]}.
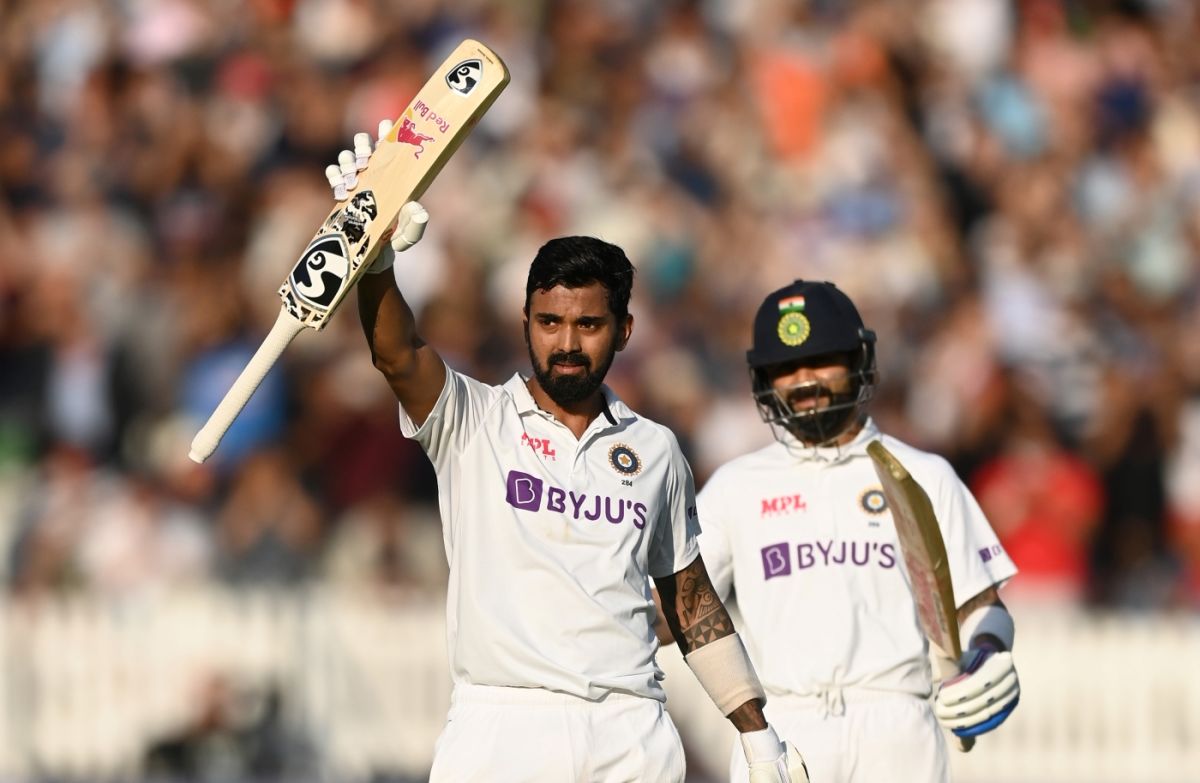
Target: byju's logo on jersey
{"points": [[988, 552], [526, 492], [776, 560]]}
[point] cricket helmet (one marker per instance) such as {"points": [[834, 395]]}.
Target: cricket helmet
{"points": [[800, 322]]}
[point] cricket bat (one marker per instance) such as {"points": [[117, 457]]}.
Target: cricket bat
{"points": [[403, 164], [924, 554]]}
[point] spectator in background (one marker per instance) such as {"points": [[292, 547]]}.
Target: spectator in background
{"points": [[269, 529], [1043, 502]]}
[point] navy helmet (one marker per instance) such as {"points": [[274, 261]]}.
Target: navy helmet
{"points": [[801, 322]]}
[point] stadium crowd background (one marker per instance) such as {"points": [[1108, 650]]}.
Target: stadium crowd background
{"points": [[1010, 191]]}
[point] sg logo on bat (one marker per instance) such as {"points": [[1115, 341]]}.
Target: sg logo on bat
{"points": [[464, 76], [321, 271]]}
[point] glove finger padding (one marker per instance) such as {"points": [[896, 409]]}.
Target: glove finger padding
{"points": [[788, 768], [982, 697], [343, 178], [410, 226]]}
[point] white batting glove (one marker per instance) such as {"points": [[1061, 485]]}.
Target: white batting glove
{"points": [[772, 761], [343, 178], [982, 697]]}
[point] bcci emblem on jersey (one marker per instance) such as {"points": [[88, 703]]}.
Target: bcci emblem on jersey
{"points": [[873, 501], [624, 460]]}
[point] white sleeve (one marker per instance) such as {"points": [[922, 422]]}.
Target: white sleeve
{"points": [[673, 546], [454, 419], [714, 537], [977, 560]]}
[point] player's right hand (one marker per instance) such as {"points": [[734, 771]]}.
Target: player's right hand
{"points": [[772, 761], [982, 696], [343, 178]]}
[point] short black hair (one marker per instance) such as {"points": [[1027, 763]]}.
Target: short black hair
{"points": [[574, 262]]}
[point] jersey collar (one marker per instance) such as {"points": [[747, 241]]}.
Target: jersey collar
{"points": [[832, 454], [614, 411]]}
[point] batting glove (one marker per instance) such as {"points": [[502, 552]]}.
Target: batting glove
{"points": [[772, 761], [982, 696], [343, 178]]}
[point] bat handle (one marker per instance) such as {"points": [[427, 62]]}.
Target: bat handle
{"points": [[964, 744], [281, 335], [946, 668]]}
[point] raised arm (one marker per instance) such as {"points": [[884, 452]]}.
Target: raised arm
{"points": [[712, 649], [413, 369]]}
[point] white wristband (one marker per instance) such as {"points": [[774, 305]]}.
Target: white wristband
{"points": [[991, 619], [724, 671]]}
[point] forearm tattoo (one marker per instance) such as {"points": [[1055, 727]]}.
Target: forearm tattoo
{"points": [[692, 609]]}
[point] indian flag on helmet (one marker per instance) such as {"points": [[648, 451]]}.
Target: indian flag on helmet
{"points": [[791, 304]]}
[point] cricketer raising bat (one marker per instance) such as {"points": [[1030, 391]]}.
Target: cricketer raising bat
{"points": [[925, 560], [404, 163]]}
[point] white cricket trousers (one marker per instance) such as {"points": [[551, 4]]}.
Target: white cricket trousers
{"points": [[858, 736], [530, 735]]}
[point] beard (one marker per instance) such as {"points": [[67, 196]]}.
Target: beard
{"points": [[815, 413], [569, 390]]}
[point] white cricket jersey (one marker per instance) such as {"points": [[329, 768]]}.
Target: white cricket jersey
{"points": [[806, 540], [551, 539]]}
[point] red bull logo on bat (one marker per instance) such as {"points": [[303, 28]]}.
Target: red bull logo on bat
{"points": [[406, 133]]}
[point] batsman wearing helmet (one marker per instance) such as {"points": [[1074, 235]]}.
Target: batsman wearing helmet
{"points": [[802, 531]]}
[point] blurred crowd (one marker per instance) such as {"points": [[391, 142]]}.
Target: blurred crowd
{"points": [[1009, 190]]}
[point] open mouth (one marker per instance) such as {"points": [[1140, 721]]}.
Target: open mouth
{"points": [[809, 402]]}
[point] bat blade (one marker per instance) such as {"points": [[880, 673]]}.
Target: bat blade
{"points": [[925, 560], [403, 165]]}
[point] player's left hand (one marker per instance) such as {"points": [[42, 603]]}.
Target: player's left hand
{"points": [[982, 696], [343, 178], [772, 761], [788, 768]]}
